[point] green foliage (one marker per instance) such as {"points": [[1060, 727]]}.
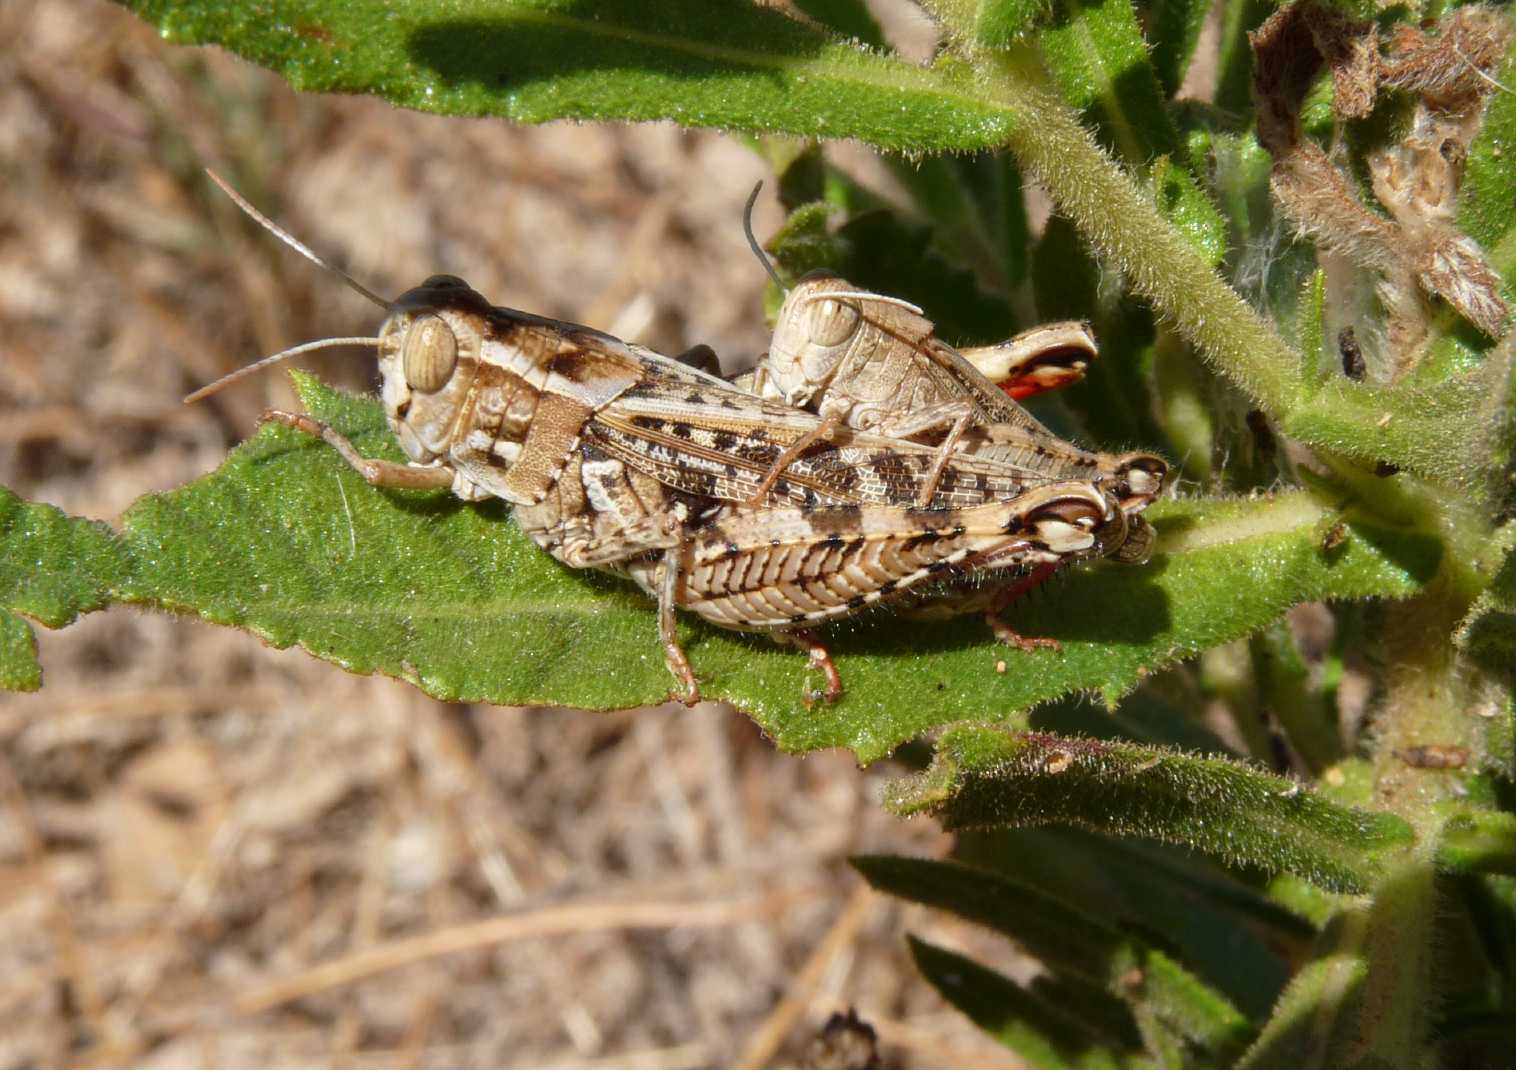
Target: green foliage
{"points": [[1075, 947], [985, 777], [721, 63], [1189, 911], [52, 568]]}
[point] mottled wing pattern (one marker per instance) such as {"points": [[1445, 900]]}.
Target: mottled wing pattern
{"points": [[720, 453]]}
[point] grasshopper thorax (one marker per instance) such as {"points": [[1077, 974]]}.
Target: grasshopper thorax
{"points": [[429, 357]]}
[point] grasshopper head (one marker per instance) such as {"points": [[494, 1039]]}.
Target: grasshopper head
{"points": [[815, 328], [428, 356]]}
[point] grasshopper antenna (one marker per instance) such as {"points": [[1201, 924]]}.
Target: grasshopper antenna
{"points": [[305, 251], [747, 228], [296, 244], [258, 365]]}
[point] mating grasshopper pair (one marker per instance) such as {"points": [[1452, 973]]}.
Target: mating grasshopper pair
{"points": [[751, 512]]}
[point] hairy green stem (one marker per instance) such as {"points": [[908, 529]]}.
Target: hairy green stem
{"points": [[1126, 228]]}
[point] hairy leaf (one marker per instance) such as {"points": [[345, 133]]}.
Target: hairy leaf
{"points": [[1485, 210], [1229, 933], [1100, 62], [1046, 1035], [53, 567], [1479, 841], [1097, 56], [998, 23], [1066, 941], [983, 777], [287, 541], [1174, 29], [720, 63], [19, 668], [1488, 633]]}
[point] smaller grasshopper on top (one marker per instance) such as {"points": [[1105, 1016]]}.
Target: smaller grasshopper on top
{"points": [[874, 363]]}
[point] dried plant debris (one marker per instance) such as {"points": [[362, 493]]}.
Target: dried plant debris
{"points": [[1416, 248]]}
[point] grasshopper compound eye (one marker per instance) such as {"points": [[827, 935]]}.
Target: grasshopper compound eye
{"points": [[429, 351], [830, 321]]}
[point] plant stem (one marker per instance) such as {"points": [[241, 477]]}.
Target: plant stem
{"points": [[1124, 226]]}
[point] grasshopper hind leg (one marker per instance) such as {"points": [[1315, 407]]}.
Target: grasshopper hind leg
{"points": [[821, 660], [1003, 631]]}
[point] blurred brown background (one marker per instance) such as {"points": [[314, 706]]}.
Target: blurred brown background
{"points": [[191, 823]]}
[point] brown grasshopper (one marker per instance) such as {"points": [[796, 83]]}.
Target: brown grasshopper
{"points": [[616, 457], [874, 363]]}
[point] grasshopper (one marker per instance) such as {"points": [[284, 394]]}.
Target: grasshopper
{"points": [[873, 362], [613, 456]]}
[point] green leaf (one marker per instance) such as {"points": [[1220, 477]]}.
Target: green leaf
{"points": [[1046, 1035], [1367, 999], [984, 777], [1099, 61], [1229, 933], [1478, 841], [1174, 29], [1310, 330], [998, 23], [1296, 1034], [1444, 431], [53, 567], [287, 541], [719, 63], [976, 208], [1485, 209], [19, 668], [1183, 203], [1488, 632], [882, 252], [1067, 941], [1284, 686], [1065, 277]]}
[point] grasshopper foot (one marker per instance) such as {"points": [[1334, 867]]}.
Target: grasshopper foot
{"points": [[679, 665], [819, 660], [1012, 638]]}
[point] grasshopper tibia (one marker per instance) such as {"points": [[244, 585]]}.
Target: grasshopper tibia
{"points": [[667, 578]]}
